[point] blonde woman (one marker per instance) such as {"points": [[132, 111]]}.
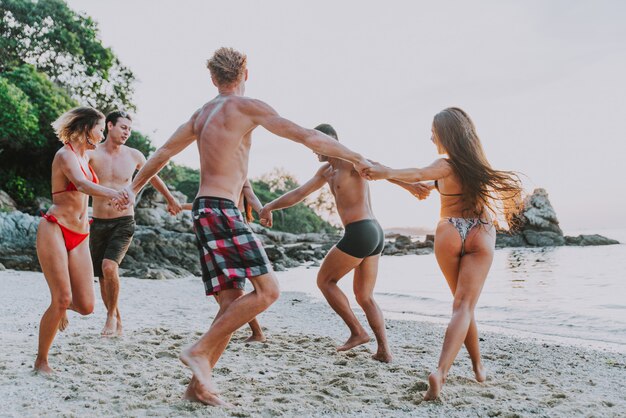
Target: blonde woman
{"points": [[62, 247], [471, 194]]}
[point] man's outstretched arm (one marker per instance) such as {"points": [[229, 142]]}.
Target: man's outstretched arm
{"points": [[179, 140], [262, 114], [173, 206], [294, 196]]}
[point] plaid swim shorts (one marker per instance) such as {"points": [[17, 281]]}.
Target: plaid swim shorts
{"points": [[229, 250]]}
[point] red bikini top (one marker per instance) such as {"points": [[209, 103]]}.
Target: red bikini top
{"points": [[70, 186]]}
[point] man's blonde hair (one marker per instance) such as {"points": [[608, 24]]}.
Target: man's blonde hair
{"points": [[227, 66]]}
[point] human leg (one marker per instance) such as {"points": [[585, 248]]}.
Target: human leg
{"points": [[110, 290], [364, 282], [446, 248], [239, 312], [53, 259], [336, 265], [473, 270], [111, 238]]}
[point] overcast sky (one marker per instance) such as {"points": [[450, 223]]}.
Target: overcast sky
{"points": [[544, 82]]}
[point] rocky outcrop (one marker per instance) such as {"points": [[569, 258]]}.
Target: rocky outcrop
{"points": [[540, 227], [7, 204], [18, 232], [164, 246]]}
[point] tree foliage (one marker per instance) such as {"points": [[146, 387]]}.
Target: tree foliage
{"points": [[51, 59], [298, 219], [182, 178], [64, 45], [27, 140]]}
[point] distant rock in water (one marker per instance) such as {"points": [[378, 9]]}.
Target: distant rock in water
{"points": [[165, 247], [541, 227]]}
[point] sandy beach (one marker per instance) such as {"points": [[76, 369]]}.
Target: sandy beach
{"points": [[297, 372]]}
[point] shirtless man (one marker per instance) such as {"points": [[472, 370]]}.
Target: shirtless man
{"points": [[358, 250], [248, 201], [112, 231], [229, 251]]}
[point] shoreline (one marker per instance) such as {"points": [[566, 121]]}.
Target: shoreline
{"points": [[297, 372]]}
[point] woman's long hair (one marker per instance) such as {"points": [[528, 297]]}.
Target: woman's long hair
{"points": [[484, 189], [76, 124]]}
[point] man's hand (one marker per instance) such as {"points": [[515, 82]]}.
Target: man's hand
{"points": [[419, 190], [130, 195], [362, 165], [121, 200], [173, 206], [266, 217], [376, 172]]}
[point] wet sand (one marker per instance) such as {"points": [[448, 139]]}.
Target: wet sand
{"points": [[297, 372]]}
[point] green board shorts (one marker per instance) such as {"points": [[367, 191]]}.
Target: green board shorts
{"points": [[109, 239]]}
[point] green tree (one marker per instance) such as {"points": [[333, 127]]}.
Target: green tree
{"points": [[300, 218], [141, 142], [28, 142], [64, 45], [17, 119], [182, 178]]}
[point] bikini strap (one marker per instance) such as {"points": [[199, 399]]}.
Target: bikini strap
{"points": [[78, 159]]}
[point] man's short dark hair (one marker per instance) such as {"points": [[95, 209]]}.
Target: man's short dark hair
{"points": [[327, 129], [113, 117]]}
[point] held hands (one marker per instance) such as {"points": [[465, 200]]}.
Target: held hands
{"points": [[362, 165], [266, 217], [121, 200], [127, 200], [376, 171], [419, 190], [174, 207]]}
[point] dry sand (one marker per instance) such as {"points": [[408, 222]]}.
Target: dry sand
{"points": [[297, 372]]}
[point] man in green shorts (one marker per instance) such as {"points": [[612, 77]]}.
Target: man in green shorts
{"points": [[112, 231]]}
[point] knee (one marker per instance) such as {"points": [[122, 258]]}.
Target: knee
{"points": [[363, 299], [62, 301], [463, 303], [109, 269], [84, 308], [324, 282], [271, 292]]}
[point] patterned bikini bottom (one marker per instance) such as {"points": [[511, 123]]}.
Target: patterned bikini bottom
{"points": [[464, 226]]}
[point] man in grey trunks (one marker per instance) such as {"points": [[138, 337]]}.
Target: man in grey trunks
{"points": [[112, 231], [229, 250], [358, 250]]}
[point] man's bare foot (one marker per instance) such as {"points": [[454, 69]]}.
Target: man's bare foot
{"points": [[353, 341], [255, 338], [481, 373], [110, 327], [43, 367], [201, 369], [194, 394], [64, 322], [383, 356], [435, 382]]}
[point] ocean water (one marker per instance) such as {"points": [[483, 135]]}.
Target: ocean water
{"points": [[571, 294]]}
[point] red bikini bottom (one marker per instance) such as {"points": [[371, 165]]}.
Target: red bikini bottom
{"points": [[71, 238]]}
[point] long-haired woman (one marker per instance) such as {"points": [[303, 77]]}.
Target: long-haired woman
{"points": [[472, 194], [62, 247]]}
